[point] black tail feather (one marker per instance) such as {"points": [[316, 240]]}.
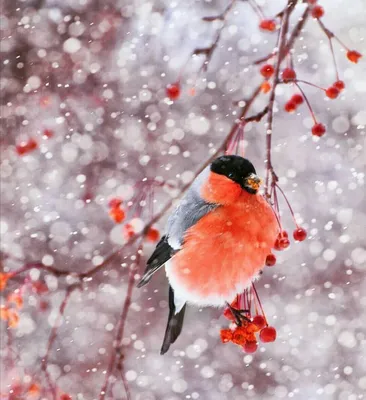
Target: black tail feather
{"points": [[162, 253], [175, 324]]}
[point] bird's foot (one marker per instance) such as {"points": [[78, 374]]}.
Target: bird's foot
{"points": [[239, 315]]}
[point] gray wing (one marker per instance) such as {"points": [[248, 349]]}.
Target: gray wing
{"points": [[190, 210]]}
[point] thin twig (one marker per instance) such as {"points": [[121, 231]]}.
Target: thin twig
{"points": [[122, 321], [281, 55], [53, 336]]}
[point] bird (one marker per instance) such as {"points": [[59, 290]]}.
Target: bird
{"points": [[215, 242]]}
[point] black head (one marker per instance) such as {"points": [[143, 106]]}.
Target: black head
{"points": [[239, 170]]}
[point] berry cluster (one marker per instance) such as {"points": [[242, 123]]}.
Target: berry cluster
{"points": [[9, 312], [243, 332], [295, 101], [118, 215], [283, 242], [116, 212]]}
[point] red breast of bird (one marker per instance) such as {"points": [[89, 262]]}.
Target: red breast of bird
{"points": [[225, 250]]}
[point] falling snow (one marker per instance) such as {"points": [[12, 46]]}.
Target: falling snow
{"points": [[85, 115]]}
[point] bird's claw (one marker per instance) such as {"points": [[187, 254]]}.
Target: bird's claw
{"points": [[238, 315]]}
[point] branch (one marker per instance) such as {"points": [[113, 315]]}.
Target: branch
{"points": [[295, 33], [208, 51], [53, 336], [283, 50], [121, 326]]}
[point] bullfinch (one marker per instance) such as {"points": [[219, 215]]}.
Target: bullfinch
{"points": [[216, 240]]}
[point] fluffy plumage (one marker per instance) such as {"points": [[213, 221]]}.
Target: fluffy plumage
{"points": [[216, 241]]}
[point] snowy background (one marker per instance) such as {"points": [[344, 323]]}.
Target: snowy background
{"points": [[93, 74]]}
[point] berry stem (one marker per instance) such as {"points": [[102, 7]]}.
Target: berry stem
{"points": [[288, 204], [258, 300], [310, 84], [257, 9], [307, 103]]}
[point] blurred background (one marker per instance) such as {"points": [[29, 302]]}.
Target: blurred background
{"points": [[83, 89]]}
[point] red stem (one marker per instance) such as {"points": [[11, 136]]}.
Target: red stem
{"points": [[307, 103]]}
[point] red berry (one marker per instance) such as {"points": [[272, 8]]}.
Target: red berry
{"points": [[288, 75], [283, 243], [267, 71], [290, 106], [268, 334], [173, 91], [318, 130], [265, 87], [26, 147], [115, 202], [47, 133], [312, 1], [250, 347], [152, 235], [353, 56], [239, 336], [339, 85], [297, 99], [259, 321], [268, 25], [65, 397], [299, 234], [317, 11], [270, 260], [226, 335], [117, 214], [332, 92]]}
